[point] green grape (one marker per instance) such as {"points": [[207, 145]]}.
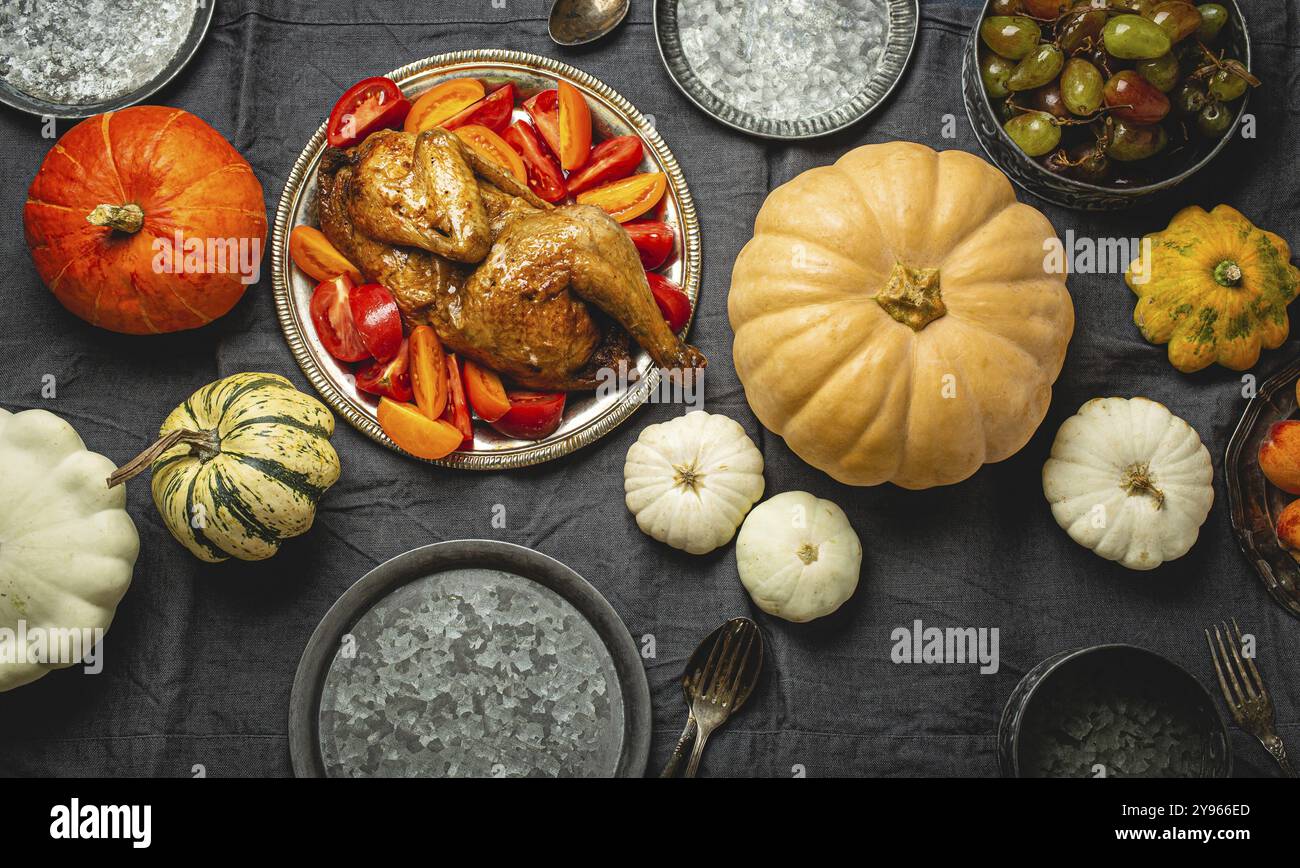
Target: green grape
{"points": [[1214, 120], [1189, 99], [1129, 142], [1162, 73], [1034, 132], [1213, 17], [1081, 87], [1012, 36], [1038, 68], [1005, 7], [1131, 37], [1081, 29], [994, 72], [1177, 18], [1225, 86]]}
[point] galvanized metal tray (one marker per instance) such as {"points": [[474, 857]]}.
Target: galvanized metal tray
{"points": [[161, 77], [587, 416], [343, 627], [903, 17]]}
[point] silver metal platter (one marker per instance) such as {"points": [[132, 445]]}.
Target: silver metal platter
{"points": [[470, 658], [588, 415], [754, 47], [146, 79]]}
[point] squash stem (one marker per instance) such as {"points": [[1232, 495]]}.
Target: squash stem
{"points": [[1137, 480], [1227, 273], [912, 296], [121, 218], [203, 445]]}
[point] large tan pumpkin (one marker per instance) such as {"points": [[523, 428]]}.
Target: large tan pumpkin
{"points": [[897, 318]]}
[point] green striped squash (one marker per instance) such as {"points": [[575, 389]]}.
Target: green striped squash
{"points": [[249, 459]]}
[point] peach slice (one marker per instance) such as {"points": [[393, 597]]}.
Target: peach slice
{"points": [[1279, 455]]}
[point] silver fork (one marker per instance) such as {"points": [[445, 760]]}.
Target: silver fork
{"points": [[724, 682], [1248, 700]]}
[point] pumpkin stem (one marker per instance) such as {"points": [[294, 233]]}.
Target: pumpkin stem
{"points": [[1227, 273], [687, 476], [122, 218], [203, 444], [912, 296], [808, 553], [1137, 480]]}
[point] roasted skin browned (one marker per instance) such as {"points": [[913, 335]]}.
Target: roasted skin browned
{"points": [[501, 276]]}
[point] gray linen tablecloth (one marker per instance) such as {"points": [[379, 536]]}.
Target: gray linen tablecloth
{"points": [[199, 662]]}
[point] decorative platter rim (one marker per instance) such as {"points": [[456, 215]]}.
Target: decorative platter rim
{"points": [[903, 15], [433, 559], [17, 99], [616, 409]]}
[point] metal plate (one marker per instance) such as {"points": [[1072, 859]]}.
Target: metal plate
{"points": [[587, 416], [12, 96], [458, 558], [903, 16], [1253, 503]]}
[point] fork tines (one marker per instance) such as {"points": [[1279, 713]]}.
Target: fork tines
{"points": [[1247, 688]]}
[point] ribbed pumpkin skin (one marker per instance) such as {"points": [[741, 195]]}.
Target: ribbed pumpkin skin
{"points": [[273, 463], [1204, 322], [184, 176], [855, 391]]}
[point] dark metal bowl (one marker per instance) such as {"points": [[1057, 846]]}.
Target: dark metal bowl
{"points": [[1180, 685], [1030, 175]]}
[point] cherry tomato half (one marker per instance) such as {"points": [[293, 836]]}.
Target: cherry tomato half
{"points": [[611, 160], [544, 175], [332, 317], [544, 109], [492, 111], [653, 239], [673, 303], [370, 104], [377, 319], [391, 379], [532, 415]]}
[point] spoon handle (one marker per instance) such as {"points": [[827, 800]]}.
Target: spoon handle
{"points": [[694, 765], [679, 752]]}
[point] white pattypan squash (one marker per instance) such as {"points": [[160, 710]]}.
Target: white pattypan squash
{"points": [[690, 481], [1129, 480], [798, 556], [67, 546]]}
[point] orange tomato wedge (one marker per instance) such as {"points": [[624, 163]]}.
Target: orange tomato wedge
{"points": [[442, 103], [428, 365], [629, 198], [495, 149], [575, 127], [486, 394], [415, 432], [311, 251]]}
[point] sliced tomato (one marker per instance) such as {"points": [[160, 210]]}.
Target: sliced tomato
{"points": [[493, 111], [673, 303], [493, 148], [331, 314], [378, 321], [544, 175], [391, 379], [544, 109], [443, 102], [428, 371], [370, 104], [532, 415], [611, 160], [575, 127], [311, 251], [457, 412], [629, 198], [415, 432], [486, 394], [653, 239]]}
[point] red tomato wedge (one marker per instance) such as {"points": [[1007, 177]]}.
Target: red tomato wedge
{"points": [[428, 371], [575, 127], [311, 251], [390, 379], [331, 314], [629, 198], [443, 102], [377, 319], [611, 160], [544, 109], [493, 148], [532, 415], [544, 175], [370, 104], [653, 239], [673, 303], [457, 412], [486, 394], [493, 111], [415, 432]]}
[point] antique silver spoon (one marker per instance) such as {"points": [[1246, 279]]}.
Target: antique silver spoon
{"points": [[577, 22]]}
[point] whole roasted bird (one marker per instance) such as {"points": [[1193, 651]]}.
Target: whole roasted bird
{"points": [[504, 278]]}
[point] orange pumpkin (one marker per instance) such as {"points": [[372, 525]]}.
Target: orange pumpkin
{"points": [[145, 221]]}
